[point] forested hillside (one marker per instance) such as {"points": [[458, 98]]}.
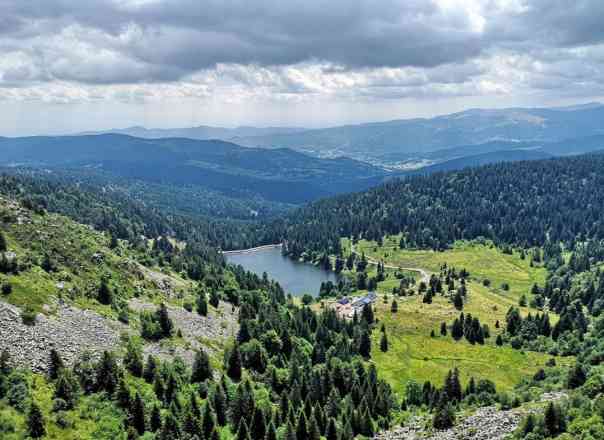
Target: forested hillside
{"points": [[522, 203], [281, 175]]}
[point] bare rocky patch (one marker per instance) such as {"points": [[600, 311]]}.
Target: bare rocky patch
{"points": [[487, 423], [199, 332], [70, 331]]}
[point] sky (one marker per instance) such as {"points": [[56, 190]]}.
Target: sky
{"points": [[73, 65]]}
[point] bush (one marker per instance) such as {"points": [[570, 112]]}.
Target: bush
{"points": [[7, 288], [28, 316]]}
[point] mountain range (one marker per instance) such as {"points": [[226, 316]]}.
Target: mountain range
{"points": [[280, 175]]}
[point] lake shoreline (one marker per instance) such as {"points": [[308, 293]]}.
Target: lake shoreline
{"points": [[252, 250]]}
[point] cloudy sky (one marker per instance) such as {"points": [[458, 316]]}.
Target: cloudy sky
{"points": [[71, 65]]}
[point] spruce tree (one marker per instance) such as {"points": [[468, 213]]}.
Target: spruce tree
{"points": [[302, 427], [55, 365], [313, 429], [165, 323], [3, 243], [107, 373], [155, 419], [208, 421], [242, 431], [104, 295], [138, 414], [332, 430], [365, 344], [150, 369], [220, 405], [271, 433], [443, 329], [258, 426], [201, 367], [234, 364], [36, 425], [384, 343], [394, 306], [170, 429], [201, 304]]}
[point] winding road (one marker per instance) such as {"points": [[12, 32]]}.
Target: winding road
{"points": [[425, 276]]}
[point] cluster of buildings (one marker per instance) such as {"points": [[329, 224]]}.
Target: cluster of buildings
{"points": [[347, 306]]}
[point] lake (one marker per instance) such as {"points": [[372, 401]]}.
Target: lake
{"points": [[295, 277]]}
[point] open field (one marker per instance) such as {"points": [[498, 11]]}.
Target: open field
{"points": [[413, 353], [483, 261]]}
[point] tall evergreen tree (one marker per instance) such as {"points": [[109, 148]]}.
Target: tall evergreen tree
{"points": [[36, 425], [138, 414], [3, 242], [233, 366], [55, 365], [202, 369]]}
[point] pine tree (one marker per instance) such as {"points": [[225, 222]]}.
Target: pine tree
{"points": [[394, 306], [138, 414], [201, 304], [214, 298], [458, 300], [271, 433], [104, 295], [155, 420], [365, 344], [552, 419], [56, 365], [220, 406], [66, 388], [170, 429], [332, 430], [457, 330], [201, 367], [258, 426], [107, 373], [576, 377], [443, 329], [384, 343], [36, 425], [242, 431], [150, 369], [5, 367], [499, 340], [367, 314], [3, 243], [133, 361], [123, 396], [208, 421], [313, 429], [165, 323], [234, 364], [302, 427]]}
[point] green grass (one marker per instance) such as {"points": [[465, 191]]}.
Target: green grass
{"points": [[81, 257], [483, 261], [413, 354]]}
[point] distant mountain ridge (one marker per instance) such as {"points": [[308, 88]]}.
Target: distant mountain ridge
{"points": [[202, 132], [420, 136], [280, 175]]}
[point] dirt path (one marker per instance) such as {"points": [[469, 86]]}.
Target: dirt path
{"points": [[425, 276]]}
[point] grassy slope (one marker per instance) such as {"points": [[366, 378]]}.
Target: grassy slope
{"points": [[414, 354], [81, 257]]}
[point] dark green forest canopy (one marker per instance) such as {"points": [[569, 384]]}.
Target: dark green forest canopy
{"points": [[521, 203]]}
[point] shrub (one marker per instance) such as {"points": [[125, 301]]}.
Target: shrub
{"points": [[28, 316], [7, 288]]}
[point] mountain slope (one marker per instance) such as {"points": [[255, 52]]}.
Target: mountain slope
{"points": [[202, 132], [522, 203], [281, 175], [474, 126]]}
